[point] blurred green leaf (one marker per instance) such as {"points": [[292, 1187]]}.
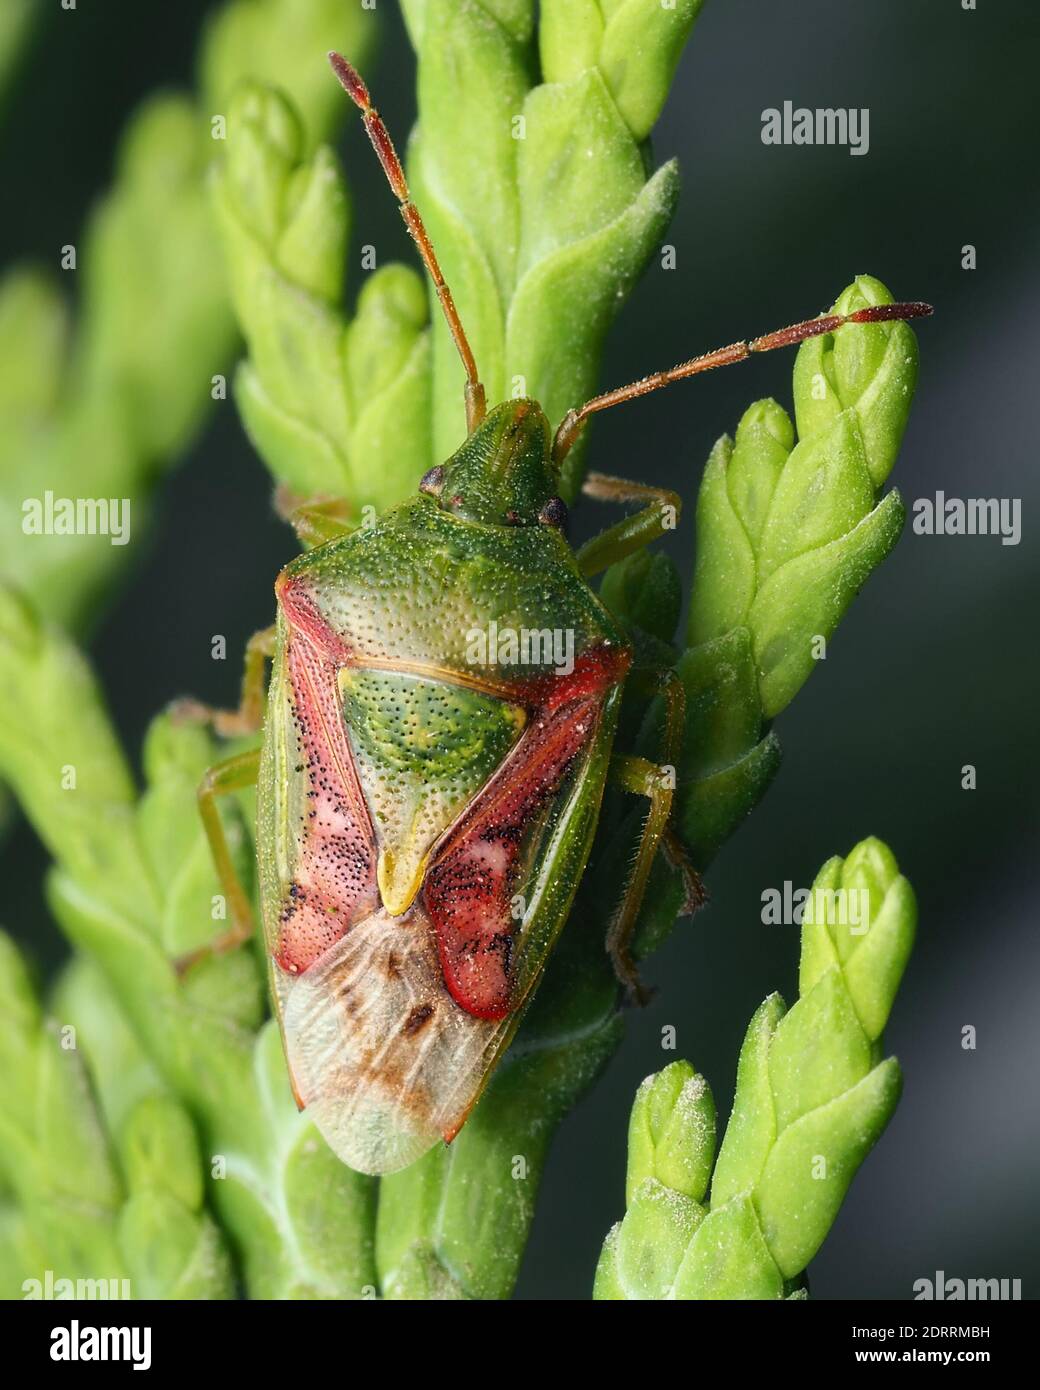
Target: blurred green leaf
{"points": [[132, 882], [16, 25], [100, 409], [82, 1215]]}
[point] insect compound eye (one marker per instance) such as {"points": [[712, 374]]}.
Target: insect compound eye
{"points": [[433, 480], [554, 513]]}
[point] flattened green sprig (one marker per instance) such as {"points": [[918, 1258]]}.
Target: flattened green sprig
{"points": [[133, 888], [321, 393], [813, 1096], [537, 193], [537, 197], [789, 529]]}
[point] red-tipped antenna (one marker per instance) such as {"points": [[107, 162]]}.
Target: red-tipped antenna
{"points": [[384, 148], [572, 422]]}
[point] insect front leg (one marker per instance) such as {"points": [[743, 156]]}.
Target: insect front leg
{"points": [[316, 520], [249, 715], [659, 513], [231, 775]]}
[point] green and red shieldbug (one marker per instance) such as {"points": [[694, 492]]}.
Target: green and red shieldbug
{"points": [[425, 812]]}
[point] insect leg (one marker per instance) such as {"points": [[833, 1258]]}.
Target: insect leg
{"points": [[250, 713], [316, 520], [663, 681], [573, 422], [641, 778], [659, 513], [231, 775]]}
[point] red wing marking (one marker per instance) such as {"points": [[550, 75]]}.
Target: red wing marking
{"points": [[334, 882], [470, 885], [595, 671]]}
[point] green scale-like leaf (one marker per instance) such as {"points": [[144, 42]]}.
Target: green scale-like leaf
{"points": [[537, 195], [787, 533]]}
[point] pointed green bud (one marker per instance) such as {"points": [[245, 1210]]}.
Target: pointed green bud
{"points": [[813, 1162], [323, 399], [538, 197], [868, 368], [823, 491], [764, 438], [861, 918], [805, 599], [635, 44], [387, 358], [787, 534], [818, 1051], [671, 1132], [811, 1101]]}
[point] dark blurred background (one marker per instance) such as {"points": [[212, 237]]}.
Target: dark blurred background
{"points": [[935, 666]]}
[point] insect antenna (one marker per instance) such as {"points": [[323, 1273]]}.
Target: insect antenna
{"points": [[572, 423], [355, 88]]}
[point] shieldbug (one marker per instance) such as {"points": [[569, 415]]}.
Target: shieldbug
{"points": [[412, 790]]}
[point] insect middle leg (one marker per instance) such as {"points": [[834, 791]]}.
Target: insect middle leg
{"points": [[665, 682], [231, 775], [656, 782], [642, 778], [249, 715], [659, 513]]}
